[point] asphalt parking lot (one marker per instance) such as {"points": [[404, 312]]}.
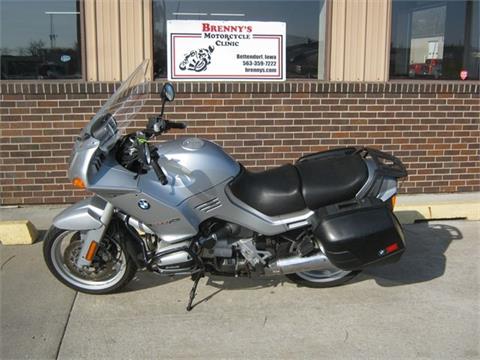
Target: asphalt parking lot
{"points": [[425, 306]]}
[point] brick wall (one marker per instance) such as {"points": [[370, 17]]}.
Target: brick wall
{"points": [[433, 127]]}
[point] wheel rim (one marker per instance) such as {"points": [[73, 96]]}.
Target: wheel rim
{"points": [[323, 276], [108, 267], [328, 273]]}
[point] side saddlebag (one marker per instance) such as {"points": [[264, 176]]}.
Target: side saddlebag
{"points": [[359, 233]]}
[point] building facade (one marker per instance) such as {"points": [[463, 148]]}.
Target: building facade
{"points": [[401, 76]]}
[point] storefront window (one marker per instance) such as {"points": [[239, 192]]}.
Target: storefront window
{"points": [[40, 39], [435, 40], [305, 22]]}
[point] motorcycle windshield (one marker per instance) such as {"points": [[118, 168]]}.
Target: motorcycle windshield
{"points": [[120, 109]]}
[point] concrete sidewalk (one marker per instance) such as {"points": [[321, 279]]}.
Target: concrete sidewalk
{"points": [[425, 306]]}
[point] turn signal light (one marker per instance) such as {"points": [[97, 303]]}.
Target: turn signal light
{"points": [[78, 183], [91, 251], [393, 199]]}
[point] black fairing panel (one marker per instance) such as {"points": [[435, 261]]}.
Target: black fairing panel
{"points": [[328, 180], [273, 192], [359, 234]]}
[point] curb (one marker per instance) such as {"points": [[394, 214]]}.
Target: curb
{"points": [[17, 232], [415, 208]]}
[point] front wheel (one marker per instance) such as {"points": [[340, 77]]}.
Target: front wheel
{"points": [[111, 268]]}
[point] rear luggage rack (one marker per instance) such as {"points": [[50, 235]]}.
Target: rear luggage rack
{"points": [[387, 165], [329, 154]]}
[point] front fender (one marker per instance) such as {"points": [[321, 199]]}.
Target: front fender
{"points": [[87, 214]]}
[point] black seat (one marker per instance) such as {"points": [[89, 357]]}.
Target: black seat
{"points": [[314, 181], [273, 192], [331, 180]]}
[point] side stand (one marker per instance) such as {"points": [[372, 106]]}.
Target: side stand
{"points": [[196, 278]]}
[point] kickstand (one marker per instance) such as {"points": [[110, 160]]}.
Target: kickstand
{"points": [[196, 278]]}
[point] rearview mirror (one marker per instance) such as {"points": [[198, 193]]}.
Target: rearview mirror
{"points": [[168, 92]]}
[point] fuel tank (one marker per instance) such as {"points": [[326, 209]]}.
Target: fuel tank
{"points": [[192, 166]]}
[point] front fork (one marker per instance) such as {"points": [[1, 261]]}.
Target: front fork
{"points": [[91, 238]]}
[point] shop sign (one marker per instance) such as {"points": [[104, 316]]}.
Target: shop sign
{"points": [[204, 50]]}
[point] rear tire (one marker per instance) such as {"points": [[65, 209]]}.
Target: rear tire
{"points": [[327, 277], [59, 250], [309, 279]]}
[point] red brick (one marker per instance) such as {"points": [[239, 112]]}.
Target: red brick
{"points": [[436, 135]]}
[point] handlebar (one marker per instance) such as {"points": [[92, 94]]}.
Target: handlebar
{"points": [[159, 172], [176, 125], [157, 126], [146, 156]]}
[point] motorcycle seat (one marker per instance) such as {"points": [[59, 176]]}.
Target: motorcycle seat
{"points": [[273, 192], [331, 180], [310, 183]]}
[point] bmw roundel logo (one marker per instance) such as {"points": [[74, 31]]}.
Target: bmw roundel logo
{"points": [[143, 204]]}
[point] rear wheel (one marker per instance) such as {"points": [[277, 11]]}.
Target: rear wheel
{"points": [[328, 276], [322, 278], [111, 268]]}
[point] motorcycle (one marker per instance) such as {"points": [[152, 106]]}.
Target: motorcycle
{"points": [[197, 60], [186, 208]]}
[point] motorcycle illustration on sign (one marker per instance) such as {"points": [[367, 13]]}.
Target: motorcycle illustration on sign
{"points": [[197, 60]]}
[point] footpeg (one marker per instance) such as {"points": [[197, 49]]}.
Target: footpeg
{"points": [[251, 254], [306, 246]]}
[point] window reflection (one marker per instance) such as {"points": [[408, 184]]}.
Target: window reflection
{"points": [[305, 42], [435, 39], [40, 39]]}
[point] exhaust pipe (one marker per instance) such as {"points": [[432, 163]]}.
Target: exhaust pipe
{"points": [[297, 264]]}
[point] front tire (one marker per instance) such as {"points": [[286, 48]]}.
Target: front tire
{"points": [[111, 268]]}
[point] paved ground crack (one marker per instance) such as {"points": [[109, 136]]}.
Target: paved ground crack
{"points": [[6, 261], [66, 324]]}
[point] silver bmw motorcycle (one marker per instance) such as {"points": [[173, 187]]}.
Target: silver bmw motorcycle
{"points": [[185, 207]]}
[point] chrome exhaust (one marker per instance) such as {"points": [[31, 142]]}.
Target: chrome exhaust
{"points": [[296, 264]]}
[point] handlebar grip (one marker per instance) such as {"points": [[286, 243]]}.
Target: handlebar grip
{"points": [[160, 174], [177, 125]]}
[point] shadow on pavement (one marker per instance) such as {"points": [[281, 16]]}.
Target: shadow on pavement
{"points": [[145, 280], [424, 260], [41, 236]]}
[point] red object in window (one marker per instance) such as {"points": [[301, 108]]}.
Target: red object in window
{"points": [[463, 74], [391, 248], [431, 67]]}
